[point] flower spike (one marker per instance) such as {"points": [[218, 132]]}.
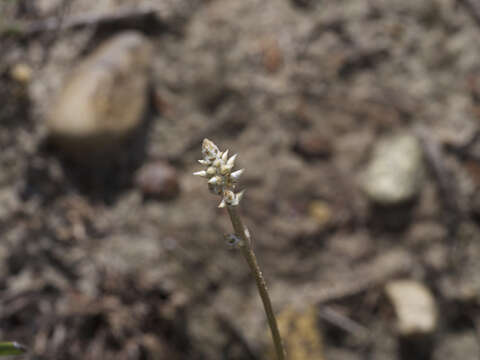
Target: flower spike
{"points": [[218, 170], [222, 181]]}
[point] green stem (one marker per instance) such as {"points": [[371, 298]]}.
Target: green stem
{"points": [[246, 247]]}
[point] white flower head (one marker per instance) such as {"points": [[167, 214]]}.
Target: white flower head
{"points": [[218, 170]]}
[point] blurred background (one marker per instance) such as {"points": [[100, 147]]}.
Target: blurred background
{"points": [[357, 123]]}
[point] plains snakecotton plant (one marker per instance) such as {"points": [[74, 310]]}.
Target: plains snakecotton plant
{"points": [[222, 181]]}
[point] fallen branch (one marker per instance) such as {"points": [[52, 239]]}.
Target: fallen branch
{"points": [[446, 186], [343, 322]]}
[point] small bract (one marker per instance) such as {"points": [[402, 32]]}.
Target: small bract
{"points": [[218, 170]]}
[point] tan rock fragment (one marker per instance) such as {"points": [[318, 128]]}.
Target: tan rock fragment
{"points": [[103, 100], [22, 73], [395, 172], [414, 307]]}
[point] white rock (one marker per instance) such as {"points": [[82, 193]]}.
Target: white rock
{"points": [[414, 307], [104, 99], [394, 174]]}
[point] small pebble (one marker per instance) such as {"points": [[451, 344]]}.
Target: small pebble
{"points": [[158, 179], [272, 55], [414, 307], [321, 212], [21, 73], [395, 172], [313, 145]]}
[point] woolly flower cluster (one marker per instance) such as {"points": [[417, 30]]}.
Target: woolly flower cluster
{"points": [[218, 171]]}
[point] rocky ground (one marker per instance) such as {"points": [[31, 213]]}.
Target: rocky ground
{"points": [[356, 121]]}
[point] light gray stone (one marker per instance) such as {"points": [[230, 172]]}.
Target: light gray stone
{"points": [[414, 307], [395, 172]]}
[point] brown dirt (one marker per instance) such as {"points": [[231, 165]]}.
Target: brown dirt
{"points": [[104, 273]]}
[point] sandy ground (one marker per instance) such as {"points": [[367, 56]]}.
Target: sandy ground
{"points": [[93, 269]]}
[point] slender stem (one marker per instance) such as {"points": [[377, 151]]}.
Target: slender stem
{"points": [[246, 247]]}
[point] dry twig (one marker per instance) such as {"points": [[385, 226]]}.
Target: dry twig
{"points": [[446, 187]]}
